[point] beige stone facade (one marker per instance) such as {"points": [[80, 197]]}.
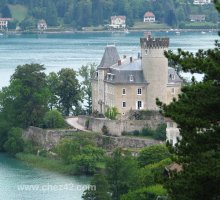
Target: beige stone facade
{"points": [[134, 84]]}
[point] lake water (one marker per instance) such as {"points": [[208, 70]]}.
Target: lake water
{"points": [[21, 182], [56, 51]]}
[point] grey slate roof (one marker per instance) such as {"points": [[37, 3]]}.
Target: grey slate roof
{"points": [[172, 72], [110, 57]]}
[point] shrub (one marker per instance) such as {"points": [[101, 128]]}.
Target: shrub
{"points": [[15, 142], [105, 130], [152, 154], [53, 119], [111, 113], [160, 132]]}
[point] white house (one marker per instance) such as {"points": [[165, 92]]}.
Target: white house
{"points": [[42, 25], [201, 2], [4, 22], [149, 17], [172, 132], [118, 22]]}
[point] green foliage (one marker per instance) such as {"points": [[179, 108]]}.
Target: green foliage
{"points": [[82, 153], [105, 130], [152, 154], [121, 171], [87, 72], [197, 114], [99, 189], [15, 142], [149, 193], [4, 128], [68, 91], [158, 134], [79, 14], [25, 101], [53, 119], [111, 113]]}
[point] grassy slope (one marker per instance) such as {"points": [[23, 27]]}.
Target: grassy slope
{"points": [[142, 25], [46, 163], [18, 12]]}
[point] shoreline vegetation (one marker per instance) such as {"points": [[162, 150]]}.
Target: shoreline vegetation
{"points": [[67, 31]]}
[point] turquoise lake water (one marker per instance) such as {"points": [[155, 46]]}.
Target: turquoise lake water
{"points": [[22, 182], [56, 51]]}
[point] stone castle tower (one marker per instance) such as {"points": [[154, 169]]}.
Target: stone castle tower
{"points": [[155, 69]]}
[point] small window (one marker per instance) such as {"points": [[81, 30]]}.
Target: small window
{"points": [[123, 91], [146, 51], [139, 105], [97, 74], [139, 91], [173, 91], [131, 78], [124, 104]]}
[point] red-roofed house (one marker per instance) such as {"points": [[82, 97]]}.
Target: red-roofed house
{"points": [[149, 17], [4, 22], [118, 22]]}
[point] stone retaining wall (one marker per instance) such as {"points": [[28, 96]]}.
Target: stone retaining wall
{"points": [[116, 127], [49, 138]]}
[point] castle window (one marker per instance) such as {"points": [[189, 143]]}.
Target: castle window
{"points": [[131, 77], [173, 91], [124, 104], [123, 91], [97, 74], [139, 105], [146, 51], [139, 91]]}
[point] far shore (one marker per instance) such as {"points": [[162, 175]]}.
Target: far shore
{"points": [[108, 31]]}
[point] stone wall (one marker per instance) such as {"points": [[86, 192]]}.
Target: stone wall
{"points": [[46, 138], [116, 127], [50, 138]]}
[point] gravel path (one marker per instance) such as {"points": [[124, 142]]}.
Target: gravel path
{"points": [[73, 121]]}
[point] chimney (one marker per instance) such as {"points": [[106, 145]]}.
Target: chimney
{"points": [[131, 59], [119, 62]]}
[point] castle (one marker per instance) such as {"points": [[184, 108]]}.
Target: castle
{"points": [[134, 84]]}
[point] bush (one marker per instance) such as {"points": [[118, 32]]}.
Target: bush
{"points": [[53, 119], [152, 154], [111, 113], [105, 130], [15, 142], [160, 132]]}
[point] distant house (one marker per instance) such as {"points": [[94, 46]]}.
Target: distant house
{"points": [[149, 17], [197, 18], [118, 22], [4, 22], [42, 25], [201, 2]]}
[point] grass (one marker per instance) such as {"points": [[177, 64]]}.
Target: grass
{"points": [[46, 163], [144, 25], [18, 12], [200, 25]]}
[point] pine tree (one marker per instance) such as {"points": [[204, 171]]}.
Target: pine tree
{"points": [[197, 112]]}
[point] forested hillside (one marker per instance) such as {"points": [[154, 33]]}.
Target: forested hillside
{"points": [[83, 13]]}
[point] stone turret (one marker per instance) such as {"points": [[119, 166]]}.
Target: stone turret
{"points": [[155, 68]]}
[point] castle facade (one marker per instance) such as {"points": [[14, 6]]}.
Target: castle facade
{"points": [[135, 83]]}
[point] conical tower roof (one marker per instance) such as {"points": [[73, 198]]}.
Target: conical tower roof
{"points": [[110, 57]]}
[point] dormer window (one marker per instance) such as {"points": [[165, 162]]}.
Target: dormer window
{"points": [[172, 76], [131, 78]]}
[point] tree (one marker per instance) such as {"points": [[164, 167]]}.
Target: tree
{"points": [[99, 189], [152, 154], [121, 173], [53, 84], [15, 142], [25, 101], [87, 72], [197, 113], [53, 119], [6, 12], [68, 91]]}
